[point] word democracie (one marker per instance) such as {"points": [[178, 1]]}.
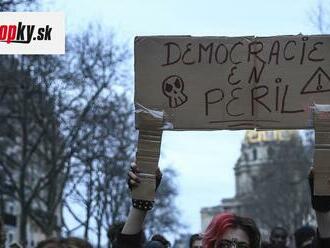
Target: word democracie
{"points": [[21, 33], [242, 52]]}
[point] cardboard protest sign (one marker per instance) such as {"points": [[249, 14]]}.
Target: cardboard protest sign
{"points": [[321, 119], [149, 142], [148, 151], [232, 83], [147, 156]]}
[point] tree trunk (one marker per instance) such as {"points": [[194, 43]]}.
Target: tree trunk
{"points": [[89, 200], [22, 196], [99, 227], [22, 227]]}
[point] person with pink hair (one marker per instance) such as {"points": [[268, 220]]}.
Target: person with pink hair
{"points": [[227, 230]]}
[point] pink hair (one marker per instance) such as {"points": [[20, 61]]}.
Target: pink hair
{"points": [[218, 226]]}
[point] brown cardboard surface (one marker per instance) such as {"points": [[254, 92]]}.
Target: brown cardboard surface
{"points": [[146, 188], [322, 140], [321, 182], [149, 121], [150, 138], [149, 134], [149, 144], [321, 115], [322, 159], [145, 158], [147, 166], [321, 120], [232, 82], [147, 155]]}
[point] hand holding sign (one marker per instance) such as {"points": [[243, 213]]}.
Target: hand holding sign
{"points": [[145, 176]]}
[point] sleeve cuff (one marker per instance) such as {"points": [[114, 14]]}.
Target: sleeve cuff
{"points": [[130, 240]]}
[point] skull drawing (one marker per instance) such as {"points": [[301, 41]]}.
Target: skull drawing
{"points": [[173, 88]]}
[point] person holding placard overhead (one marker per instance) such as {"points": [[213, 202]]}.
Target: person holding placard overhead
{"points": [[225, 230], [132, 233]]}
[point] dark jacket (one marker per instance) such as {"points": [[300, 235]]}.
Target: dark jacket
{"points": [[135, 241], [130, 241]]}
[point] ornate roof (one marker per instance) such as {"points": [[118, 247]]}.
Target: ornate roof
{"points": [[252, 136]]}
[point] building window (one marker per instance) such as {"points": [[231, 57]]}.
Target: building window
{"points": [[10, 219], [255, 154]]}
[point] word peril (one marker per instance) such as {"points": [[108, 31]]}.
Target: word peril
{"points": [[248, 101]]}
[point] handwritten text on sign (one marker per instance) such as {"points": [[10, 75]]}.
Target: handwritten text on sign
{"points": [[233, 83]]}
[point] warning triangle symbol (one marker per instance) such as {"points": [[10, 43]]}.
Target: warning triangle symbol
{"points": [[318, 82]]}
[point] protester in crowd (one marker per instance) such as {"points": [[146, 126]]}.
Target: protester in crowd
{"points": [[2, 234], [304, 237], [161, 239], [277, 239], [113, 233], [195, 241], [155, 244], [132, 231], [157, 241], [49, 243], [73, 242], [229, 230], [264, 244], [70, 242]]}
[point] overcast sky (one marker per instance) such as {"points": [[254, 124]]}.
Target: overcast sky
{"points": [[204, 160]]}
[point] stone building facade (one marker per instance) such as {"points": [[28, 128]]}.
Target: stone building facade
{"points": [[257, 150], [11, 217]]}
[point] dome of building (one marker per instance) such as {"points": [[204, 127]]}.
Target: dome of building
{"points": [[253, 136]]}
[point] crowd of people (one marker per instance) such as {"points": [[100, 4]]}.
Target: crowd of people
{"points": [[304, 237], [226, 230]]}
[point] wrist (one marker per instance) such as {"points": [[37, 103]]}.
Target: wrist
{"points": [[143, 205]]}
